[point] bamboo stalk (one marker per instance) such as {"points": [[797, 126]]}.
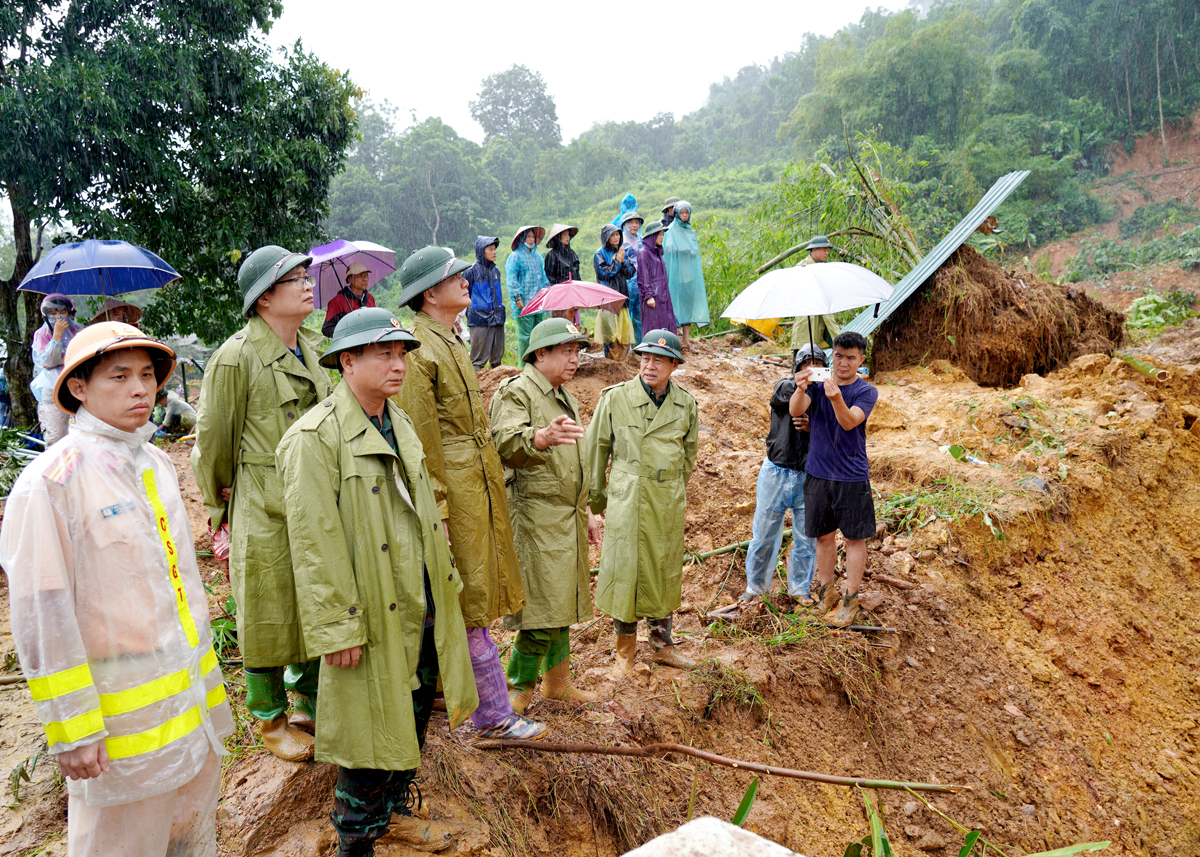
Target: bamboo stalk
{"points": [[893, 581], [652, 750], [1145, 368]]}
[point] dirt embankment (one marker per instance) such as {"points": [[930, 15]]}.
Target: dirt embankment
{"points": [[1046, 655]]}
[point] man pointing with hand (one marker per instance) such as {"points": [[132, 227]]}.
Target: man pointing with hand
{"points": [[535, 425]]}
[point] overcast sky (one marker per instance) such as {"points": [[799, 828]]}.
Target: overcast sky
{"points": [[432, 56]]}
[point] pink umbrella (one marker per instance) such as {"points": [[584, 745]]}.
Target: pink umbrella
{"points": [[573, 294]]}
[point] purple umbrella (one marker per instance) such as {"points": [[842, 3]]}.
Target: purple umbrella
{"points": [[331, 261]]}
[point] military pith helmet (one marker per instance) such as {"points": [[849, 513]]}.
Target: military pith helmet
{"points": [[671, 200], [807, 352], [262, 269], [818, 241], [652, 228], [661, 341], [552, 332], [103, 337], [427, 267], [631, 215], [367, 326]]}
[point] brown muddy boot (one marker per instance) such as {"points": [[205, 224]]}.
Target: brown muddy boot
{"points": [[556, 684], [519, 696], [669, 657], [847, 614], [419, 834], [827, 597], [286, 741], [625, 653], [302, 720]]}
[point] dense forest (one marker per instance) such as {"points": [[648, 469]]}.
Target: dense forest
{"points": [[964, 91]]}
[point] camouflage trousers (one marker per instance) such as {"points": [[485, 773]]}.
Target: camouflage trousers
{"points": [[660, 630], [365, 798]]}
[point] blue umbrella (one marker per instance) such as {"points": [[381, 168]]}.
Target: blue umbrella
{"points": [[98, 268]]}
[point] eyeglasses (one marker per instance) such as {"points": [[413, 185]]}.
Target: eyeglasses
{"points": [[304, 281]]}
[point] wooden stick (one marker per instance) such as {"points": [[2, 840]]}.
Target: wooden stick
{"points": [[651, 750], [11, 679], [893, 581]]}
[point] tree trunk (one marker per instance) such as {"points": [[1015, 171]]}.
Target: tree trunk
{"points": [[18, 367], [437, 217], [1162, 125], [1128, 96]]}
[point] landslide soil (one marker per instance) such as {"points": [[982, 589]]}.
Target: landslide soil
{"points": [[1049, 661]]}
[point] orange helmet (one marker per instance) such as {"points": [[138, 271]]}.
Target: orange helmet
{"points": [[101, 338]]}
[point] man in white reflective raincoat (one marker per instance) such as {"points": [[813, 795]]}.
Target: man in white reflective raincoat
{"points": [[109, 614]]}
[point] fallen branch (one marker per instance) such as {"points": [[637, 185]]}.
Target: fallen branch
{"points": [[893, 581], [1145, 368], [11, 679], [652, 750]]}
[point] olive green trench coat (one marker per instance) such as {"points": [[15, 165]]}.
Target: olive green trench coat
{"points": [[363, 524], [652, 451], [441, 394], [547, 498], [255, 390]]}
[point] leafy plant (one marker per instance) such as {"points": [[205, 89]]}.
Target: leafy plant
{"points": [[743, 809], [23, 772], [1153, 310]]}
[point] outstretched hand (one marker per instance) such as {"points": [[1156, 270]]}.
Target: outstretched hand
{"points": [[562, 430]]}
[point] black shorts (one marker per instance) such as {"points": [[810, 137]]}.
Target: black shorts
{"points": [[845, 506]]}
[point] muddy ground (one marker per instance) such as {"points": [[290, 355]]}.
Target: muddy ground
{"points": [[1047, 655]]}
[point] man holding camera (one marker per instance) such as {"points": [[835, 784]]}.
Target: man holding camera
{"points": [[837, 494]]}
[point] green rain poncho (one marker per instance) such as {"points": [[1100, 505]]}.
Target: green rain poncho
{"points": [[685, 274]]}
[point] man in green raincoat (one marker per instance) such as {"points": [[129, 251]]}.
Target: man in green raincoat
{"points": [[535, 425], [648, 428], [441, 394], [377, 589], [256, 386], [820, 330]]}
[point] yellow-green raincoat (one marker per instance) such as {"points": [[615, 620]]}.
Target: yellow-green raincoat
{"points": [[652, 451], [441, 394], [363, 524], [547, 497], [254, 390]]}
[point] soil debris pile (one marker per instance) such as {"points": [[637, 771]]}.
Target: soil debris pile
{"points": [[996, 325]]}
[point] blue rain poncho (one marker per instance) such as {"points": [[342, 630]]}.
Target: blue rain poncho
{"points": [[685, 274], [628, 204]]}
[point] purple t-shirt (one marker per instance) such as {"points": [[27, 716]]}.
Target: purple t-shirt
{"points": [[833, 452]]}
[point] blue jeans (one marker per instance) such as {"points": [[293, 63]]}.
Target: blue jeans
{"points": [[779, 489], [635, 310]]}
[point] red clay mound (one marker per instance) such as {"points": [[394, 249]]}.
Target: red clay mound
{"points": [[995, 325]]}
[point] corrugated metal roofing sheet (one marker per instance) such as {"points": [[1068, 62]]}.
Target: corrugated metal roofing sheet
{"points": [[867, 321]]}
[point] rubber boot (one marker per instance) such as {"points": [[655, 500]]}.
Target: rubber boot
{"points": [[522, 676], [556, 684], [286, 741], [302, 680], [669, 657], [625, 653], [267, 702], [420, 834], [847, 614], [826, 596]]}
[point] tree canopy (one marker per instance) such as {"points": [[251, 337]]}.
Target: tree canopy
{"points": [[168, 124], [515, 104]]}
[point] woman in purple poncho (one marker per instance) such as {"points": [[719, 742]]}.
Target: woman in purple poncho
{"points": [[655, 297]]}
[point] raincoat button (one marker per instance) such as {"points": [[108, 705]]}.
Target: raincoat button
{"points": [[329, 404], [435, 526], [392, 606], [450, 577], [374, 489], [291, 416], [384, 548], [353, 610], [239, 336]]}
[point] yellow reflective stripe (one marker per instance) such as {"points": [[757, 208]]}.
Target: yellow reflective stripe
{"points": [[216, 696], [60, 683], [124, 746], [164, 533], [124, 701], [70, 731]]}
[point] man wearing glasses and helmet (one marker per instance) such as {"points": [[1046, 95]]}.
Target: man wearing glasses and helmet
{"points": [[256, 386]]}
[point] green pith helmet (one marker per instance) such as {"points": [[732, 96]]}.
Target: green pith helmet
{"points": [[630, 215], [549, 333], [818, 241], [366, 326], [661, 341], [652, 228], [263, 269], [671, 200], [425, 268]]}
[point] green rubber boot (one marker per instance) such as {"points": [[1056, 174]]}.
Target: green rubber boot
{"points": [[265, 697], [302, 680], [522, 674]]}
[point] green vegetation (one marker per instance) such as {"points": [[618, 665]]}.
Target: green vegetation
{"points": [[1153, 311], [945, 499], [1099, 257]]}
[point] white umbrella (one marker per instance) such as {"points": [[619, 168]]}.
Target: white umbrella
{"points": [[818, 289]]}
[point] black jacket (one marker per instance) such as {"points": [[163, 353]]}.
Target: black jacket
{"points": [[561, 262], [787, 446]]}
